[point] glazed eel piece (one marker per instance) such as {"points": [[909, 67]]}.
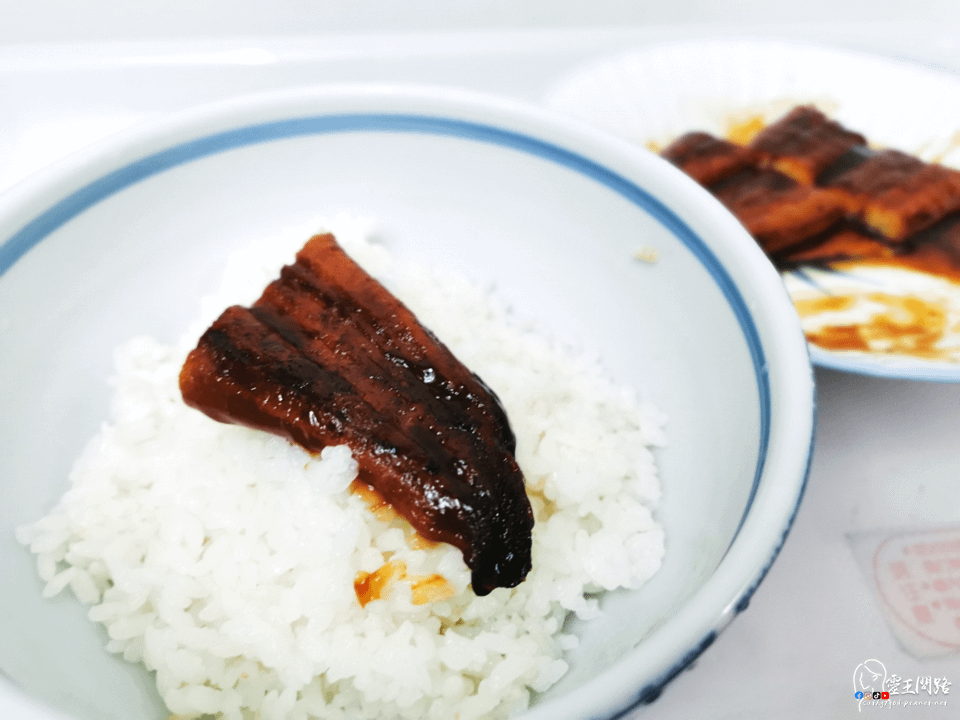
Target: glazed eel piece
{"points": [[812, 192], [328, 356]]}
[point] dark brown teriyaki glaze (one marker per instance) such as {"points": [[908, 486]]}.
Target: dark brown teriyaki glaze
{"points": [[328, 356]]}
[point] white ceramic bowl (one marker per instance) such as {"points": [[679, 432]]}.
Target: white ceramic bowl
{"points": [[123, 239]]}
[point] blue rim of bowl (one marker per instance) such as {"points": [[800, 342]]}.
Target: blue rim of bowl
{"points": [[650, 692], [114, 181]]}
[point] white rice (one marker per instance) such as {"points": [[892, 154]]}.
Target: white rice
{"points": [[224, 559]]}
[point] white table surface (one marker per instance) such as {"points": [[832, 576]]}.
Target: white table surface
{"points": [[887, 455]]}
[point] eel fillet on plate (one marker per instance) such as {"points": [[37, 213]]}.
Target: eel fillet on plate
{"points": [[812, 192], [328, 356]]}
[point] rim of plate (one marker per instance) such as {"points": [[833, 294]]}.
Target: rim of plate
{"points": [[761, 49], [893, 368], [36, 207]]}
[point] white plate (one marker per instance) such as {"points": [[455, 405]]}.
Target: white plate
{"points": [[654, 94], [125, 237]]}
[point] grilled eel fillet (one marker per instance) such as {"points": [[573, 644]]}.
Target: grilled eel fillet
{"points": [[328, 356], [811, 192]]}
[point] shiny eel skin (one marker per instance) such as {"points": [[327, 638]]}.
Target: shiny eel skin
{"points": [[328, 356]]}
